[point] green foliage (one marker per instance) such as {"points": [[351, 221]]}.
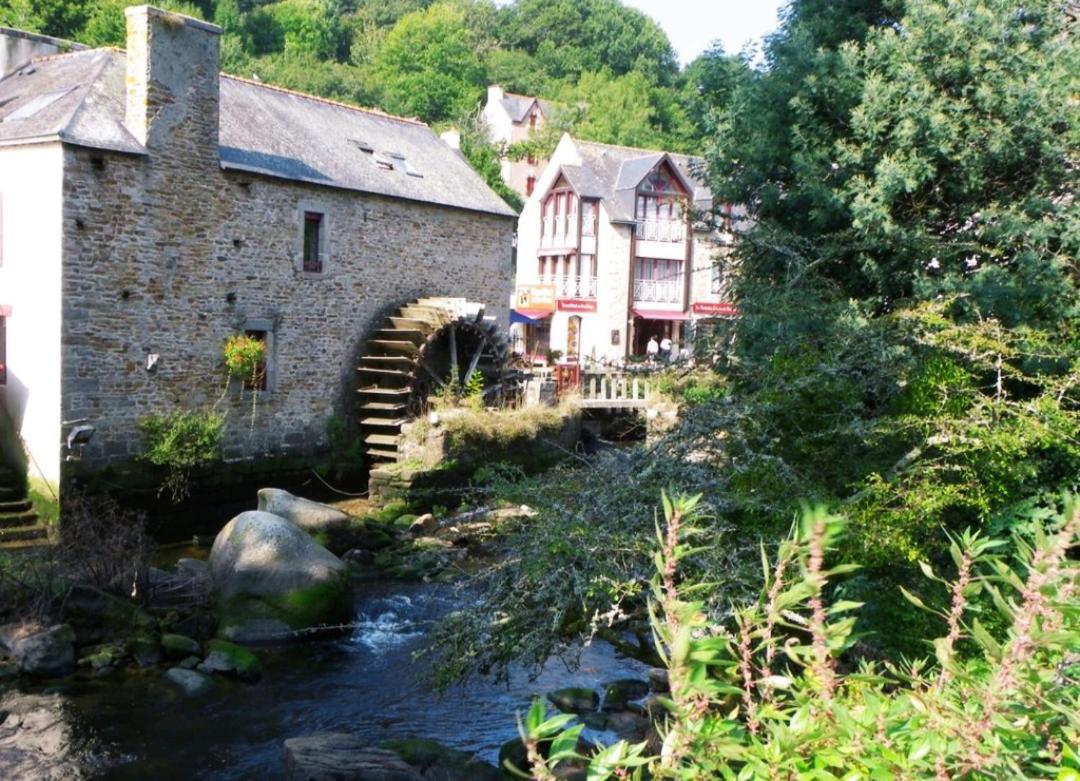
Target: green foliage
{"points": [[245, 356], [434, 60], [765, 696], [179, 442], [426, 66]]}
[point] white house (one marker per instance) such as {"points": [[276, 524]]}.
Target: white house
{"points": [[617, 245], [512, 118]]}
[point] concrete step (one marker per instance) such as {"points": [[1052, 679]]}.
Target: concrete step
{"points": [[26, 546], [24, 518], [11, 494], [23, 533], [382, 440], [15, 506]]}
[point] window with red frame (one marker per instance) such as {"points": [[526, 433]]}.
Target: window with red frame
{"points": [[530, 185]]}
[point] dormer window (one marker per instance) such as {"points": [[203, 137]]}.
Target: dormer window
{"points": [[659, 212]]}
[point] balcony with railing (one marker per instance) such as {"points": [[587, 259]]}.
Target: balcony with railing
{"points": [[660, 230], [571, 287], [659, 291], [559, 232]]}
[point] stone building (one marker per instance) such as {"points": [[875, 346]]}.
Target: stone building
{"points": [[617, 245], [152, 207], [512, 118]]}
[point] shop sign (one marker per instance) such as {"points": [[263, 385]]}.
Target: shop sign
{"points": [[719, 308], [576, 304], [534, 298]]}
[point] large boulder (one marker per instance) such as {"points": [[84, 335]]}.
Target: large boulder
{"points": [[335, 756], [264, 568], [46, 653], [308, 515]]}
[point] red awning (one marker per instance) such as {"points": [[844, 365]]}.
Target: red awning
{"points": [[660, 314]]}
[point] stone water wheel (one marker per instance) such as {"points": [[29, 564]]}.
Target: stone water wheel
{"points": [[420, 349]]}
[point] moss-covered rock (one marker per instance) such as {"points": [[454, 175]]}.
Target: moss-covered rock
{"points": [[232, 659], [179, 646], [266, 570], [574, 699], [434, 760]]}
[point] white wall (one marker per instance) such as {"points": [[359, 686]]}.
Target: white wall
{"points": [[31, 189]]}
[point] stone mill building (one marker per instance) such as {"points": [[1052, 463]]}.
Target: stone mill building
{"points": [[152, 207]]}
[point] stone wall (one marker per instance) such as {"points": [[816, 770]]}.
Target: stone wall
{"points": [[174, 268], [167, 255]]}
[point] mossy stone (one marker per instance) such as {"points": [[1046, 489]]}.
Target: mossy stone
{"points": [[574, 699], [223, 656], [178, 646]]}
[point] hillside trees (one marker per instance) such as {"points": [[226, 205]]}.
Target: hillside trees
{"points": [[613, 65]]}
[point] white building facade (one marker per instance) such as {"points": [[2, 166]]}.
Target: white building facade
{"points": [[616, 245], [511, 119]]}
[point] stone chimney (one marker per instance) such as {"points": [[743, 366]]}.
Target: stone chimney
{"points": [[172, 83], [17, 48]]}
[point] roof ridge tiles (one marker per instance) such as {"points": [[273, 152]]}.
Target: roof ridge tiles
{"points": [[73, 52], [373, 111], [634, 148]]}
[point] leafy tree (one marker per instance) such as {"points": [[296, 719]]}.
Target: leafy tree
{"points": [[571, 37], [427, 68]]}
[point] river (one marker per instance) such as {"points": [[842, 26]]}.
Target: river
{"points": [[137, 726]]}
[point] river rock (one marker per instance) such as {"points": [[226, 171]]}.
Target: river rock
{"points": [[99, 617], [658, 679], [437, 762], [263, 567], [423, 525], [46, 653], [179, 646], [574, 699], [192, 568], [618, 693], [258, 631], [194, 684], [36, 740], [308, 515], [231, 659], [335, 756]]}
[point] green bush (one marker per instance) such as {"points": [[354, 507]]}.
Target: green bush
{"points": [[179, 442], [765, 697]]}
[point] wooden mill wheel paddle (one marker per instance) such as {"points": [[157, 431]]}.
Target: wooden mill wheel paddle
{"points": [[420, 350]]}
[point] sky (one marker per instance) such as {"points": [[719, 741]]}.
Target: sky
{"points": [[693, 24]]}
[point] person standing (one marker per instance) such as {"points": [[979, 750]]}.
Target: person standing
{"points": [[651, 349], [665, 350]]}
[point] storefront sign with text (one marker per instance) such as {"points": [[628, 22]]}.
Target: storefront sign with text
{"points": [[576, 304], [721, 308]]}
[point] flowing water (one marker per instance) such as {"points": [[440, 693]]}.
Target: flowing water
{"points": [[137, 726]]}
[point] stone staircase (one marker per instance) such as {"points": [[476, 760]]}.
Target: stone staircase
{"points": [[20, 526]]}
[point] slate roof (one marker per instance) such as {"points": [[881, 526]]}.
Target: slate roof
{"points": [[517, 106], [613, 173], [79, 98]]}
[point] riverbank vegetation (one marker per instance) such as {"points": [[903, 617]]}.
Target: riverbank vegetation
{"points": [[907, 356]]}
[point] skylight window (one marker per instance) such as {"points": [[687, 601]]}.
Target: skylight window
{"points": [[32, 107]]}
